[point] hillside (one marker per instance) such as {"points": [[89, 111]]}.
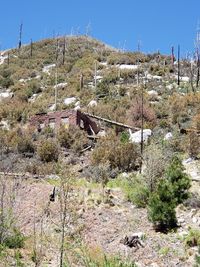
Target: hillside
{"points": [[71, 194]]}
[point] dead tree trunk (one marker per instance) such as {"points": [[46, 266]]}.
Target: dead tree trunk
{"points": [[191, 77], [20, 36], [172, 56], [95, 75], [63, 52], [31, 46], [198, 66], [8, 59], [57, 49], [178, 65], [81, 81], [142, 127]]}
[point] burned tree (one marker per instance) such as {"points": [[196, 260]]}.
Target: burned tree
{"points": [[63, 51], [81, 81], [20, 36], [178, 65], [31, 48], [198, 66], [172, 56]]}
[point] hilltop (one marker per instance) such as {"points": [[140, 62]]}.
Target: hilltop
{"points": [[70, 191]]}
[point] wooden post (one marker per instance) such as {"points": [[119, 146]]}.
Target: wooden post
{"points": [[178, 65]]}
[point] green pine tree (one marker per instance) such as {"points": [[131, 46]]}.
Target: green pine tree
{"points": [[161, 207], [179, 180], [171, 191]]}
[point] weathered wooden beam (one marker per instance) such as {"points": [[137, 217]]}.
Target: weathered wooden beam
{"points": [[112, 122]]}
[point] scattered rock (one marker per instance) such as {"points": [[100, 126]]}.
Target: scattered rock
{"points": [[136, 137], [168, 136], [69, 100], [92, 103], [47, 68]]}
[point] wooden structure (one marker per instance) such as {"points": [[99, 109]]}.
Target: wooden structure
{"points": [[65, 117]]}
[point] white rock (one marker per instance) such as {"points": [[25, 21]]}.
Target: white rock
{"points": [[139, 234], [152, 93], [136, 137], [69, 100], [77, 104], [77, 108], [47, 68], [92, 103], [3, 58], [101, 133], [33, 98], [183, 233], [168, 136], [98, 77], [4, 125], [185, 79], [6, 94], [60, 86], [155, 77], [124, 174], [103, 63], [127, 67], [186, 161], [169, 87], [194, 220], [52, 107], [181, 220]]}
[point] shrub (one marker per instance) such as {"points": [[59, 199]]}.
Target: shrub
{"points": [[179, 180], [197, 258], [48, 151], [161, 207], [134, 188], [193, 238], [193, 202], [135, 114], [194, 145], [15, 240], [72, 138], [124, 156], [171, 191], [25, 145]]}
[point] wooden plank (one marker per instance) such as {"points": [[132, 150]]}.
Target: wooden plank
{"points": [[112, 122]]}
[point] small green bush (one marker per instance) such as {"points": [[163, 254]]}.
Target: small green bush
{"points": [[134, 188], [121, 155], [72, 138], [179, 179], [15, 240], [193, 238], [48, 151], [161, 207], [171, 191], [25, 145]]}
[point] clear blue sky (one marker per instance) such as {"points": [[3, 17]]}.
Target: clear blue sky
{"points": [[157, 23]]}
